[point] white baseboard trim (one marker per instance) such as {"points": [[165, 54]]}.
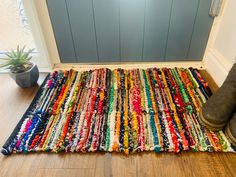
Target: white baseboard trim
{"points": [[217, 66], [129, 65]]}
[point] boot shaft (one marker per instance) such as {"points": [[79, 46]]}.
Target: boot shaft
{"points": [[231, 77]]}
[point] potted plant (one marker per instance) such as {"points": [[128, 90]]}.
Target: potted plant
{"points": [[24, 72]]}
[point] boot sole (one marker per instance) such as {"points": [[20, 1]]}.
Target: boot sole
{"points": [[210, 125], [229, 135]]}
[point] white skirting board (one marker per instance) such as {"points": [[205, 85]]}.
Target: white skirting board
{"points": [[129, 65], [217, 66]]}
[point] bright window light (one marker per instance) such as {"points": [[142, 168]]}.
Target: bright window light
{"points": [[14, 26]]}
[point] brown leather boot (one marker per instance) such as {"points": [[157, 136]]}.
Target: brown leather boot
{"points": [[217, 111], [230, 130]]}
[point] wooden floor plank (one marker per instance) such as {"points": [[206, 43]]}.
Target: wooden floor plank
{"points": [[168, 164], [123, 165], [103, 165], [65, 172]]}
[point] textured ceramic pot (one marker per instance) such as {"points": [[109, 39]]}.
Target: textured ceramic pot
{"points": [[28, 78]]}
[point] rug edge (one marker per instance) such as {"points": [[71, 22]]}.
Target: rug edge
{"points": [[5, 147]]}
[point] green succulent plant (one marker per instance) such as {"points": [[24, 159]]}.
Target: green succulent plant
{"points": [[18, 61]]}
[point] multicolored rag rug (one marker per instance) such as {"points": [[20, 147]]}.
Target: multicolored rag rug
{"points": [[121, 110]]}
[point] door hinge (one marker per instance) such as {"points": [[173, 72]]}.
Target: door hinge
{"points": [[215, 7]]}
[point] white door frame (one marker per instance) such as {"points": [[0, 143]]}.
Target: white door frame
{"points": [[39, 20]]}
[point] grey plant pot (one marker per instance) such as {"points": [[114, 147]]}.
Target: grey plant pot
{"points": [[28, 78]]}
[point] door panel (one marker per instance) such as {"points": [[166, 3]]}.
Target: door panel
{"points": [[93, 31], [62, 30], [106, 14], [157, 17], [201, 31], [82, 26], [131, 29], [181, 27]]}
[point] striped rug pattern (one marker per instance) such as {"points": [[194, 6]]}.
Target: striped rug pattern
{"points": [[117, 110]]}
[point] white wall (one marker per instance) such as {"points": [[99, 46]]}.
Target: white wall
{"points": [[221, 51], [226, 39]]}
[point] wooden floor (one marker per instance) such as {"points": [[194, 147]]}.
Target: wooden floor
{"points": [[13, 103]]}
